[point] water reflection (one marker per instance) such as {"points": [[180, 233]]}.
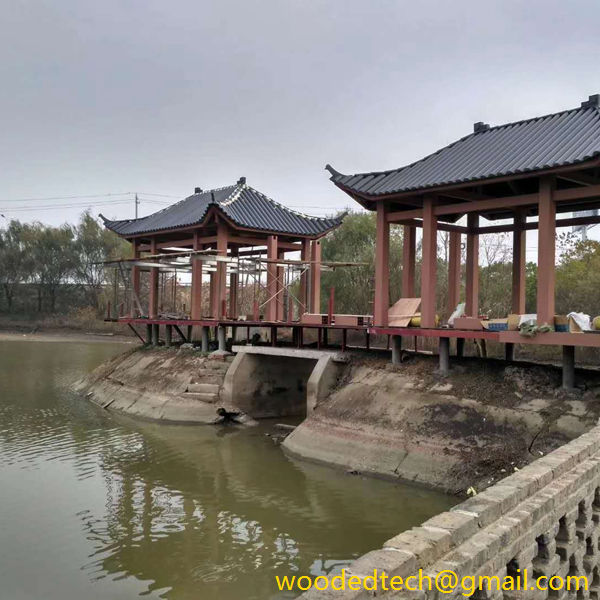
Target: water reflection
{"points": [[164, 511]]}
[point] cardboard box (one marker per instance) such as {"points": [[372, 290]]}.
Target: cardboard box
{"points": [[352, 320], [469, 323], [314, 319]]}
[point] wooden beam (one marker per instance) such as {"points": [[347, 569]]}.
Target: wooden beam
{"points": [[381, 302], [441, 226], [546, 252], [533, 225], [409, 251], [518, 264], [429, 264], [472, 268]]}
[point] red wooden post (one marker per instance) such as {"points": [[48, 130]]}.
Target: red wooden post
{"points": [[211, 295], [381, 302], [472, 275], [454, 271], [153, 300], [429, 266], [135, 280], [546, 253], [409, 251], [196, 313], [518, 266], [330, 306], [315, 277], [304, 255], [271, 311], [221, 277], [280, 292], [233, 289]]}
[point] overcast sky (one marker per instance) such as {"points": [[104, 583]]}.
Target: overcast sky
{"points": [[113, 96]]}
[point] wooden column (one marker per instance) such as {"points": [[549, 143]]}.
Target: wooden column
{"points": [[135, 281], [315, 276], [233, 289], [381, 302], [472, 267], [212, 294], [153, 296], [429, 264], [271, 309], [221, 275], [280, 292], [196, 309], [518, 266], [546, 253], [409, 251], [453, 271], [304, 255]]}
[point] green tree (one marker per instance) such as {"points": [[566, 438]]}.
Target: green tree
{"points": [[15, 262], [93, 244]]}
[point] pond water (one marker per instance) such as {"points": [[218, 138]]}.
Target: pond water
{"points": [[98, 506]]}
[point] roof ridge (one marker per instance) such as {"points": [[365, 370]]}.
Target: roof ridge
{"points": [[235, 194], [462, 139], [287, 209]]}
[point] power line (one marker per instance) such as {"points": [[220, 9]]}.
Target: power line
{"points": [[65, 197]]}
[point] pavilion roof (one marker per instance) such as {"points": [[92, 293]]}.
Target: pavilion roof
{"points": [[243, 205], [566, 138]]}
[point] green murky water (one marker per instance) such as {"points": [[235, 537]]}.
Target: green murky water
{"points": [[98, 506]]}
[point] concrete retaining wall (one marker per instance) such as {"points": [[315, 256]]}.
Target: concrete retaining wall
{"points": [[278, 382], [544, 518]]}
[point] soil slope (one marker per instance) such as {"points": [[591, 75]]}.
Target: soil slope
{"points": [[484, 421]]}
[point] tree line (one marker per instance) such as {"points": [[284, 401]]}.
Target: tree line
{"points": [[45, 268]]}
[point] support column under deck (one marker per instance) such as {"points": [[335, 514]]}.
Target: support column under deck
{"points": [[222, 338], [568, 367], [396, 349], [204, 335], [444, 366]]}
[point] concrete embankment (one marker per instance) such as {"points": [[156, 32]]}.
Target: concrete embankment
{"points": [[469, 430], [163, 384]]}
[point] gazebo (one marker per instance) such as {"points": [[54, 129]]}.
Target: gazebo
{"points": [[216, 234], [538, 168]]}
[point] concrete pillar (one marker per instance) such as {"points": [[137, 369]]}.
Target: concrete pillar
{"points": [[568, 367], [222, 339], [546, 253], [444, 356], [429, 264], [155, 334], [204, 333], [168, 335], [396, 349], [453, 271], [273, 336], [509, 352], [148, 334], [472, 267], [460, 347], [409, 253], [381, 302], [518, 266], [190, 330]]}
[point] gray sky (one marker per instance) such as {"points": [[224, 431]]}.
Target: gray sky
{"points": [[158, 97]]}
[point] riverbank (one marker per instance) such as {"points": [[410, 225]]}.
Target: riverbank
{"points": [[66, 336], [171, 385], [485, 421]]}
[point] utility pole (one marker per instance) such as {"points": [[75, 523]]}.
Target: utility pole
{"points": [[137, 203]]}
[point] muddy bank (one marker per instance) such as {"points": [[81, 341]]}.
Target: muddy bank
{"points": [[480, 424], [163, 384]]}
